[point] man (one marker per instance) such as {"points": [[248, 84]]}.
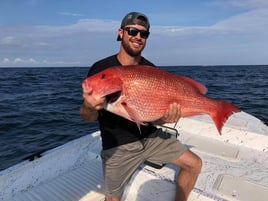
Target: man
{"points": [[124, 147]]}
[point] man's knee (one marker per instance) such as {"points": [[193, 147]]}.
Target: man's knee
{"points": [[198, 165], [189, 161]]}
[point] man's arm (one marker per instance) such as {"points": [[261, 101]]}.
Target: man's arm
{"points": [[89, 114]]}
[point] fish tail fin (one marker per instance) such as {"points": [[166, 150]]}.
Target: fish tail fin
{"points": [[222, 113]]}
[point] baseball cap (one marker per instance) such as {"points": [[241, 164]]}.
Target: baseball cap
{"points": [[135, 18]]}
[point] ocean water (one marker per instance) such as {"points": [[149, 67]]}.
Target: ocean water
{"points": [[39, 107]]}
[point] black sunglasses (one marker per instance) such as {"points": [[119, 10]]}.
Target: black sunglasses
{"points": [[133, 32]]}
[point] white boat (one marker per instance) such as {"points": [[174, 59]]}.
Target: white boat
{"points": [[235, 167]]}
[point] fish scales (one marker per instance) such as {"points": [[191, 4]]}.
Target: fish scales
{"points": [[147, 92]]}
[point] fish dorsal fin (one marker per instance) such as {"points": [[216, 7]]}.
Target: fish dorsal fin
{"points": [[201, 88]]}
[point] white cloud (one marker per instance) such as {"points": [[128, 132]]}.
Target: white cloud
{"points": [[241, 3], [239, 39], [31, 62], [249, 22], [57, 45], [24, 61], [6, 40], [235, 40], [18, 61], [252, 21], [5, 61], [70, 14], [82, 26]]}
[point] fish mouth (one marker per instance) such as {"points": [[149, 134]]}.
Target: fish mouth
{"points": [[113, 97]]}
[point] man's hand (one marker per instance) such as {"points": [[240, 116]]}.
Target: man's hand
{"points": [[91, 102], [172, 115], [90, 107]]}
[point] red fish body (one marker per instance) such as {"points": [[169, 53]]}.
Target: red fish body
{"points": [[145, 94]]}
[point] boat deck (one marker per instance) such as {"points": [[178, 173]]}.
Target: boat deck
{"points": [[82, 183], [235, 167]]}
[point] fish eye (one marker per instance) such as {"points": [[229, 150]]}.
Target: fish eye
{"points": [[103, 76]]}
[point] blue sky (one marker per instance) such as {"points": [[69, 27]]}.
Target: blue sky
{"points": [[79, 32]]}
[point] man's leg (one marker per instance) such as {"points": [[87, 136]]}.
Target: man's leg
{"points": [[119, 164], [190, 166]]}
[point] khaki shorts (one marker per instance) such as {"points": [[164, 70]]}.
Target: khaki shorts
{"points": [[119, 163]]}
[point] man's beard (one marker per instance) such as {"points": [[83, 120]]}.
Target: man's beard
{"points": [[130, 51]]}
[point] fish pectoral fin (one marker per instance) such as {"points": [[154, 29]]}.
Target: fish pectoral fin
{"points": [[133, 115]]}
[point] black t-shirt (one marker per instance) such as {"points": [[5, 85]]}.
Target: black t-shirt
{"points": [[116, 130]]}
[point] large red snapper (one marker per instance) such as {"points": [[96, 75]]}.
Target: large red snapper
{"points": [[144, 94]]}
